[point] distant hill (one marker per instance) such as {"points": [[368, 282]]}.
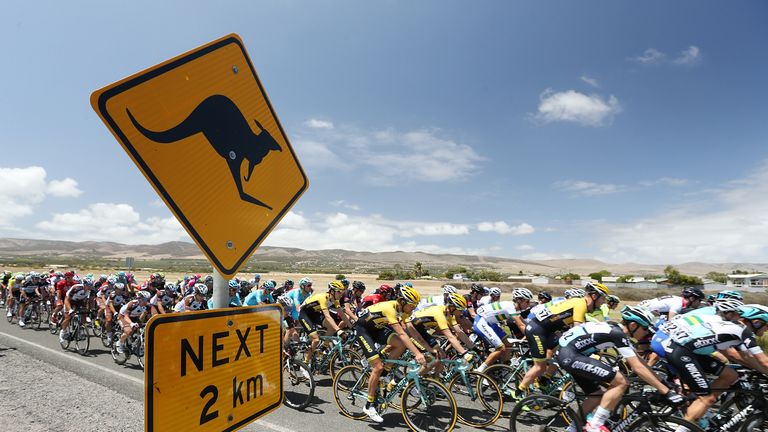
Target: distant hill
{"points": [[333, 260]]}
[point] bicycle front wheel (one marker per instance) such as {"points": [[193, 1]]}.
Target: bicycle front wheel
{"points": [[428, 406], [507, 378], [653, 423], [82, 340], [350, 390], [543, 413], [478, 399], [347, 357], [298, 384]]}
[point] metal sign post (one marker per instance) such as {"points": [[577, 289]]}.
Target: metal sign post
{"points": [[220, 291]]}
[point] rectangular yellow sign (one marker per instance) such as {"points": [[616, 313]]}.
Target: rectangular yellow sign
{"points": [[215, 370]]}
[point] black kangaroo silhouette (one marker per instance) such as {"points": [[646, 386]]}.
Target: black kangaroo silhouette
{"points": [[227, 130]]}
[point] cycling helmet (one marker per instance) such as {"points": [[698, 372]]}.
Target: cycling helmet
{"points": [[70, 274], [143, 295], [596, 288], [303, 282], [545, 297], [170, 287], [410, 295], [578, 292], [19, 276], [269, 285], [357, 285], [386, 290], [111, 280], [286, 301], [640, 315], [728, 305], [345, 282], [335, 286], [522, 293], [449, 289], [87, 281], [103, 278], [477, 288], [201, 289], [457, 300], [494, 292], [711, 298], [208, 279], [119, 286], [569, 293], [730, 295], [233, 284], [754, 312], [257, 276], [693, 292], [288, 283], [614, 299], [408, 284]]}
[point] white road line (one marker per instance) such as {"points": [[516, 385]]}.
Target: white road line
{"points": [[259, 422]]}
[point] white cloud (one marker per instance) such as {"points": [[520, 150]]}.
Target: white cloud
{"points": [[576, 107], [22, 190], [524, 247], [591, 81], [689, 56], [344, 204], [423, 155], [728, 225], [649, 56], [318, 124], [502, 227], [586, 188], [113, 222], [664, 181], [64, 188]]}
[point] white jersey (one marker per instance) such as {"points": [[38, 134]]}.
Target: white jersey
{"points": [[193, 304], [437, 300], [78, 292], [498, 312], [541, 306], [706, 334], [664, 305], [133, 309]]}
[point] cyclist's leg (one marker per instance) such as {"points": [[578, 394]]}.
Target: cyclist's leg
{"points": [[538, 343], [311, 328], [492, 335], [693, 369], [24, 300], [589, 374]]}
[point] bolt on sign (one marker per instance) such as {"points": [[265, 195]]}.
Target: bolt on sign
{"points": [[215, 370], [201, 129]]}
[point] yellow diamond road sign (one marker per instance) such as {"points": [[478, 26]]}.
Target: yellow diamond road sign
{"points": [[203, 132], [212, 370]]}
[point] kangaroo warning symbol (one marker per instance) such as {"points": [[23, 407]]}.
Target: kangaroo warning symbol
{"points": [[201, 129]]}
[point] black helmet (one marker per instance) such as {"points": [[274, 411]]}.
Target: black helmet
{"points": [[693, 292], [477, 288], [358, 285], [545, 297], [345, 282]]}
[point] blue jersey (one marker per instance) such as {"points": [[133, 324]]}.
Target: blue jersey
{"points": [[298, 297], [233, 301], [258, 297]]}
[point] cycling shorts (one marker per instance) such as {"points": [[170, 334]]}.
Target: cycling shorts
{"points": [[310, 321], [31, 296], [587, 372], [539, 340], [431, 341], [16, 294], [368, 339], [692, 368], [492, 334], [657, 343]]}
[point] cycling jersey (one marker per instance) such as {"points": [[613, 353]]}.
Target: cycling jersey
{"points": [[350, 297], [557, 316], [298, 296], [372, 300], [373, 326], [708, 310], [234, 301], [599, 315], [317, 303], [433, 317], [426, 302], [709, 333], [163, 298], [117, 299], [30, 288], [194, 304], [484, 300], [498, 312], [133, 309], [78, 293], [664, 305], [257, 297]]}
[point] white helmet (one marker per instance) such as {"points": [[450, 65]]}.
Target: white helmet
{"points": [[449, 289], [286, 301], [728, 305], [522, 293], [494, 292]]}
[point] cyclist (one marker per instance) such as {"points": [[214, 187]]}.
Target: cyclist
{"points": [[62, 286], [437, 300], [440, 319], [194, 301], [690, 349], [577, 345], [352, 299], [164, 300], [287, 286], [288, 324], [476, 291], [115, 299], [299, 295], [670, 306], [5, 279], [548, 319], [755, 317], [603, 314], [382, 293], [30, 290], [491, 319], [131, 314], [75, 298], [261, 295], [494, 295], [234, 299], [378, 324], [314, 314]]}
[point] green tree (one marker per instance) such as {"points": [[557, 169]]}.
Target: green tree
{"points": [[624, 278], [386, 275], [598, 276], [676, 278], [717, 277], [570, 277], [454, 270], [490, 276], [340, 277], [418, 269]]}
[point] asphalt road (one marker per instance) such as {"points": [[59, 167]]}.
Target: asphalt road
{"points": [[98, 368]]}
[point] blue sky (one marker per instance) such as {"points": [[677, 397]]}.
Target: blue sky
{"points": [[621, 131]]}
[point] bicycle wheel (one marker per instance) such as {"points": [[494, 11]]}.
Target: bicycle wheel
{"points": [[119, 358], [507, 378], [55, 328], [97, 327], [347, 357], [298, 384], [430, 408], [82, 340], [34, 318], [14, 310], [478, 399], [350, 391], [654, 423], [543, 413], [107, 338]]}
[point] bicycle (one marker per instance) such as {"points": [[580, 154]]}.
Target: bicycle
{"points": [[478, 398], [333, 358], [77, 333], [134, 345], [14, 312], [633, 413], [298, 381], [425, 403], [744, 406], [32, 314]]}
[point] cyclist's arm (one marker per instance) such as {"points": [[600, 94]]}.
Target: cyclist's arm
{"points": [[641, 369], [330, 321], [518, 320], [349, 312], [453, 340], [398, 329], [459, 332]]}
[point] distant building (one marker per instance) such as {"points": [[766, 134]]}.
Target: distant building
{"points": [[538, 280], [754, 280], [460, 277]]}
